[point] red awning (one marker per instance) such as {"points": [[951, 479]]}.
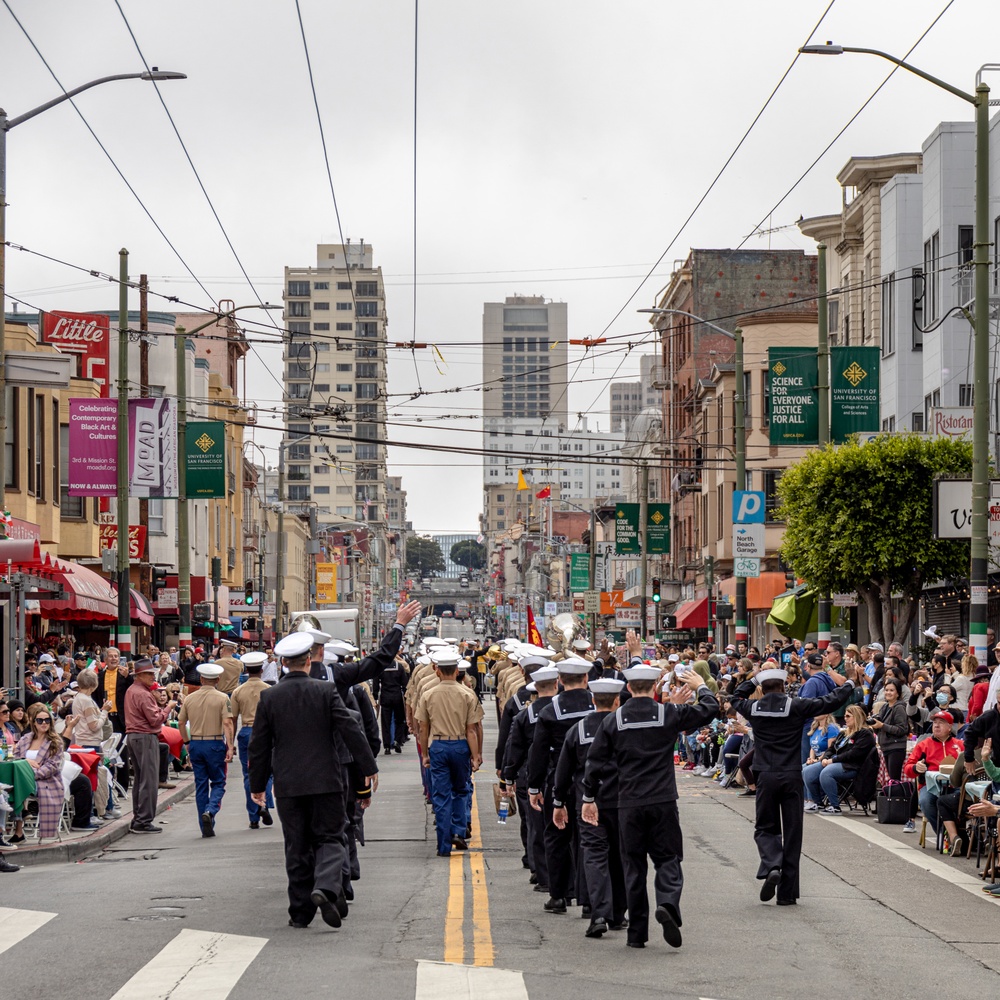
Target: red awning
{"points": [[139, 610], [89, 596], [693, 614]]}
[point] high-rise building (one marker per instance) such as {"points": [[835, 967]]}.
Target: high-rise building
{"points": [[629, 399], [452, 570]]}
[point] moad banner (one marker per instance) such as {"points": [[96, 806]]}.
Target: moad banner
{"points": [[854, 392], [792, 377], [205, 458], [93, 448], [85, 335], [152, 448]]}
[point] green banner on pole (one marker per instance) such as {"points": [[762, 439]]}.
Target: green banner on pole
{"points": [[854, 392], [205, 455], [792, 377], [579, 572], [627, 529], [658, 528]]}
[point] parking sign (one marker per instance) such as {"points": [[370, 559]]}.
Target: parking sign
{"points": [[748, 507]]}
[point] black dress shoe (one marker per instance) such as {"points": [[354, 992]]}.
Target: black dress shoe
{"points": [[524, 863], [553, 905], [459, 843], [265, 817], [585, 911], [786, 902], [534, 879], [255, 825], [6, 866], [468, 832], [327, 908], [207, 826], [297, 925], [398, 748], [597, 928], [770, 886], [621, 925], [349, 892], [444, 854], [387, 752], [636, 944], [671, 930], [540, 888]]}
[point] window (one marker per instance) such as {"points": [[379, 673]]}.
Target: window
{"points": [[343, 386], [298, 329], [771, 501], [366, 371], [31, 441], [367, 390], [367, 288], [322, 368], [321, 489], [323, 388], [321, 286], [345, 306], [965, 394], [345, 511], [888, 315], [298, 308], [833, 320], [343, 286], [56, 462], [916, 421], [367, 309], [345, 327], [322, 306], [747, 399], [966, 244], [932, 253], [917, 289], [367, 330], [996, 252], [72, 508], [366, 452], [765, 409], [321, 326], [298, 492], [298, 390], [298, 288], [344, 449]]}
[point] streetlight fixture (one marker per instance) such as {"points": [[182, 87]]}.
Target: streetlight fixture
{"points": [[6, 124], [979, 548]]}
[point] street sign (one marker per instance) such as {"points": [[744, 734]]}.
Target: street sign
{"points": [[578, 606], [627, 618], [748, 507], [746, 567], [591, 602], [953, 509], [579, 572], [748, 541]]}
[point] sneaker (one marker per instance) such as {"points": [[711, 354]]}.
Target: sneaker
{"points": [[956, 848], [113, 814], [688, 767], [811, 807], [909, 826], [832, 811]]}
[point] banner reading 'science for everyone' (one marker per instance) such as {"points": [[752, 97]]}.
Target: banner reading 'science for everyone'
{"points": [[792, 376]]}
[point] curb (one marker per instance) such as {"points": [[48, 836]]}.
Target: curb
{"points": [[82, 847]]}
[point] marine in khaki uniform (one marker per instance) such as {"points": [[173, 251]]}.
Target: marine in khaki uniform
{"points": [[243, 704], [231, 667], [210, 743], [449, 715]]}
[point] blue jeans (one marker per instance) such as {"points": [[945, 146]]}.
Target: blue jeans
{"points": [[451, 766], [208, 759], [731, 749], [242, 745], [820, 781]]}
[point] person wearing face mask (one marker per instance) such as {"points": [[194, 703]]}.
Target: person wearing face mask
{"points": [[924, 701]]}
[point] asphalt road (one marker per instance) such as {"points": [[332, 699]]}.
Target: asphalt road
{"points": [[178, 916]]}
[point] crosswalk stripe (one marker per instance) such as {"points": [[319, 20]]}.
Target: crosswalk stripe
{"points": [[195, 965], [468, 982], [16, 925]]}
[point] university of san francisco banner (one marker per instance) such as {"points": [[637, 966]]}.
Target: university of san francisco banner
{"points": [[792, 376], [205, 455], [854, 392]]}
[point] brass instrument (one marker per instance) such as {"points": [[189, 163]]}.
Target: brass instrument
{"points": [[562, 630]]}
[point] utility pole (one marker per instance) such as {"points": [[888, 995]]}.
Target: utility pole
{"points": [[824, 605], [183, 533], [216, 583], [280, 546], [260, 620], [644, 557], [123, 639], [593, 570], [144, 574], [710, 583], [740, 452]]}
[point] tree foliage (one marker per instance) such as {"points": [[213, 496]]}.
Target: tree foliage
{"points": [[423, 556], [859, 518], [468, 553]]}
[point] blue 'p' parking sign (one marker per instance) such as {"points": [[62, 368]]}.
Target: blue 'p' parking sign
{"points": [[748, 507]]}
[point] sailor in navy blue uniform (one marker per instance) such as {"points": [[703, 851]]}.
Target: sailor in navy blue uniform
{"points": [[639, 737], [777, 720], [600, 855], [554, 721], [544, 681], [515, 705]]}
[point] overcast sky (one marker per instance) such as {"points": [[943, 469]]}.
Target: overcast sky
{"points": [[560, 146]]}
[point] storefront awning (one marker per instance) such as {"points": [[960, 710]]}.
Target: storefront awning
{"points": [[89, 596], [693, 614], [139, 608]]}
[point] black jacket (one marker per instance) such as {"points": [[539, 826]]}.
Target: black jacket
{"points": [[515, 762], [573, 760], [515, 704], [851, 751], [390, 685], [295, 738], [553, 723], [986, 726], [639, 737], [346, 675], [777, 721], [369, 723]]}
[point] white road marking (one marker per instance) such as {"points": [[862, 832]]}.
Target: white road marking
{"points": [[195, 965], [436, 980], [16, 925], [928, 860]]}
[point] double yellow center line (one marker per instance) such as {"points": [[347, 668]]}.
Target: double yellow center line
{"points": [[455, 911]]}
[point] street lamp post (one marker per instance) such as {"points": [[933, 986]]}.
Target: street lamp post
{"points": [[979, 549], [739, 448], [6, 124]]}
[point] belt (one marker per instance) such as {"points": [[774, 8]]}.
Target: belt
{"points": [[438, 736], [219, 737]]}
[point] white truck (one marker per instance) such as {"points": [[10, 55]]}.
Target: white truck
{"points": [[340, 621]]}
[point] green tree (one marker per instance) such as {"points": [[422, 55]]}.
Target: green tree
{"points": [[858, 518], [468, 553], [423, 556]]}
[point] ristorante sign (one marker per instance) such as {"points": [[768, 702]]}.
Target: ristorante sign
{"points": [[86, 335]]}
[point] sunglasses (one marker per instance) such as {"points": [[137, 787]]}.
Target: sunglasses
{"points": [[40, 719]]}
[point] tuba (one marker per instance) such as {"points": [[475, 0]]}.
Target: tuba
{"points": [[562, 630]]}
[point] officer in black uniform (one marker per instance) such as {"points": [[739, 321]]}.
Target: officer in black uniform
{"points": [[389, 689], [601, 858], [544, 681], [777, 721], [554, 721], [639, 737]]}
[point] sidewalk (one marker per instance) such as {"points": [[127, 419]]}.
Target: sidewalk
{"points": [[75, 846]]}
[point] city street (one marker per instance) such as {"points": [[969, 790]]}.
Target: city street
{"points": [[182, 917]]}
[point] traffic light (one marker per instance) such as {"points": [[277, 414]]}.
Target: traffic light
{"points": [[216, 571], [248, 592], [250, 624], [669, 621], [656, 590], [159, 581]]}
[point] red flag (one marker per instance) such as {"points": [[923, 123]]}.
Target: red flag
{"points": [[544, 494], [533, 635]]}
